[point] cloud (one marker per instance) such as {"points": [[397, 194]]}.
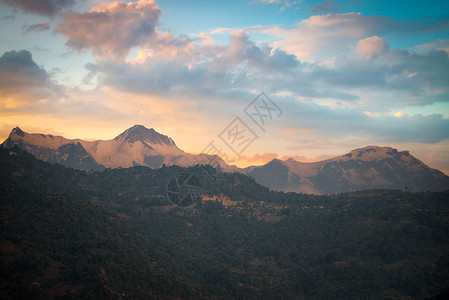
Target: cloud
{"points": [[23, 81], [371, 76], [194, 68], [392, 78], [323, 37], [40, 7], [355, 94], [165, 44], [242, 50], [37, 27], [284, 3], [418, 128], [341, 123], [111, 31], [28, 94], [335, 77], [365, 70], [370, 47], [18, 69], [331, 6], [438, 45], [324, 6], [400, 114]]}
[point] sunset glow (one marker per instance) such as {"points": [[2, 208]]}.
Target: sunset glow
{"points": [[344, 74]]}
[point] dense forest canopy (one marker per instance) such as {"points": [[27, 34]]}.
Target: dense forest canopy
{"points": [[114, 235]]}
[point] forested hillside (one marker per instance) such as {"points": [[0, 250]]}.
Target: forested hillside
{"points": [[114, 235]]}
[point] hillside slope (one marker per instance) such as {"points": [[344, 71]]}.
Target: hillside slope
{"points": [[113, 235]]}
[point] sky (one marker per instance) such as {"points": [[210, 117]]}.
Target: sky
{"points": [[304, 79]]}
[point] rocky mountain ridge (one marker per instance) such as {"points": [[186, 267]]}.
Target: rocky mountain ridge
{"points": [[136, 146], [370, 167]]}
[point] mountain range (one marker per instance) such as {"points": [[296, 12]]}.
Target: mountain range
{"points": [[136, 146], [370, 167]]}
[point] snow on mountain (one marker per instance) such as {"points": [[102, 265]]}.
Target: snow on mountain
{"points": [[70, 153], [143, 134], [40, 145], [370, 167], [136, 146]]}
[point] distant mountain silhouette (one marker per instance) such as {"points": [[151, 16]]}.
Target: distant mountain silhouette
{"points": [[370, 167]]}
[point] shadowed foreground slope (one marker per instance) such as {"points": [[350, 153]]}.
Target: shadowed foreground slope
{"points": [[68, 233]]}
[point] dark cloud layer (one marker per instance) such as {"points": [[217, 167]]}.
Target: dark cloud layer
{"points": [[40, 7], [17, 68], [20, 75]]}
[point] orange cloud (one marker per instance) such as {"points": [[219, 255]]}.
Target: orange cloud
{"points": [[370, 47], [400, 114], [111, 31]]}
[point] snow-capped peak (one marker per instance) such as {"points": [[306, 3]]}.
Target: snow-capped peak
{"points": [[143, 134]]}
